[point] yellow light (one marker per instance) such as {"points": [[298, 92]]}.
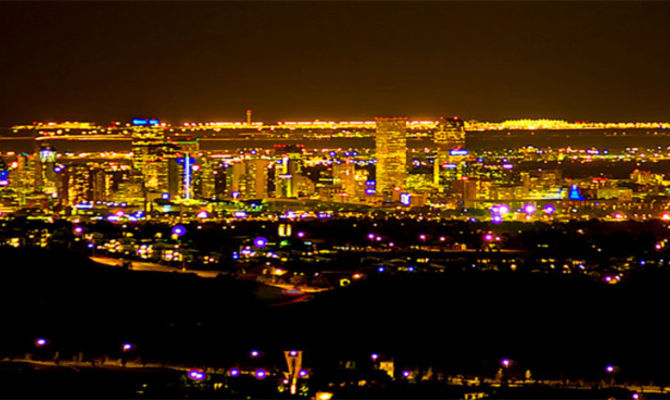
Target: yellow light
{"points": [[324, 395]]}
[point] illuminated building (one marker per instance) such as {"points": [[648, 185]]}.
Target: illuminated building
{"points": [[45, 172], [344, 176], [151, 154], [449, 140], [204, 184], [248, 179], [391, 153], [4, 174], [256, 179], [287, 170]]}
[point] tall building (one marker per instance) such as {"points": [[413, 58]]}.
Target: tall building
{"points": [[152, 154], [344, 176], [391, 150], [45, 171], [449, 140], [256, 179], [248, 179], [287, 170]]}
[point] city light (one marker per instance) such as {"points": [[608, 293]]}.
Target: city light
{"points": [[260, 373], [127, 347], [41, 342], [529, 208], [197, 375], [260, 242], [178, 230]]}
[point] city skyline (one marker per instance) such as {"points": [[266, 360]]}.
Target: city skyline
{"points": [[324, 200]]}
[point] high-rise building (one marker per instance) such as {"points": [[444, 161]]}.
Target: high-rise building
{"points": [[152, 154], [449, 140], [391, 151], [256, 179], [344, 176], [204, 184], [287, 170], [45, 172]]}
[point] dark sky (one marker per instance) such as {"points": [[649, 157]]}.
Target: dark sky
{"points": [[184, 61]]}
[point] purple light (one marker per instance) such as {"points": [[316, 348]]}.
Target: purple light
{"points": [[609, 369], [303, 373], [374, 356], [488, 237], [78, 230], [178, 230], [40, 342], [127, 347], [234, 372], [549, 209], [254, 353], [260, 373], [293, 353], [422, 236], [300, 234], [496, 219], [508, 166], [503, 209], [203, 214], [197, 375], [260, 242], [505, 362], [405, 373], [529, 208], [371, 236]]}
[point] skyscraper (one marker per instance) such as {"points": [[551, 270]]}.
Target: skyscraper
{"points": [[449, 135], [391, 150]]}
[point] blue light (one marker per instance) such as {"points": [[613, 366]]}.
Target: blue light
{"points": [[405, 199], [381, 269], [139, 121], [165, 196], [178, 230], [154, 121], [410, 268], [236, 256], [458, 152], [370, 183], [332, 153], [574, 193], [450, 166], [370, 191]]}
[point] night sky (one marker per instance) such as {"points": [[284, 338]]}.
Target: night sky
{"points": [[184, 61]]}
